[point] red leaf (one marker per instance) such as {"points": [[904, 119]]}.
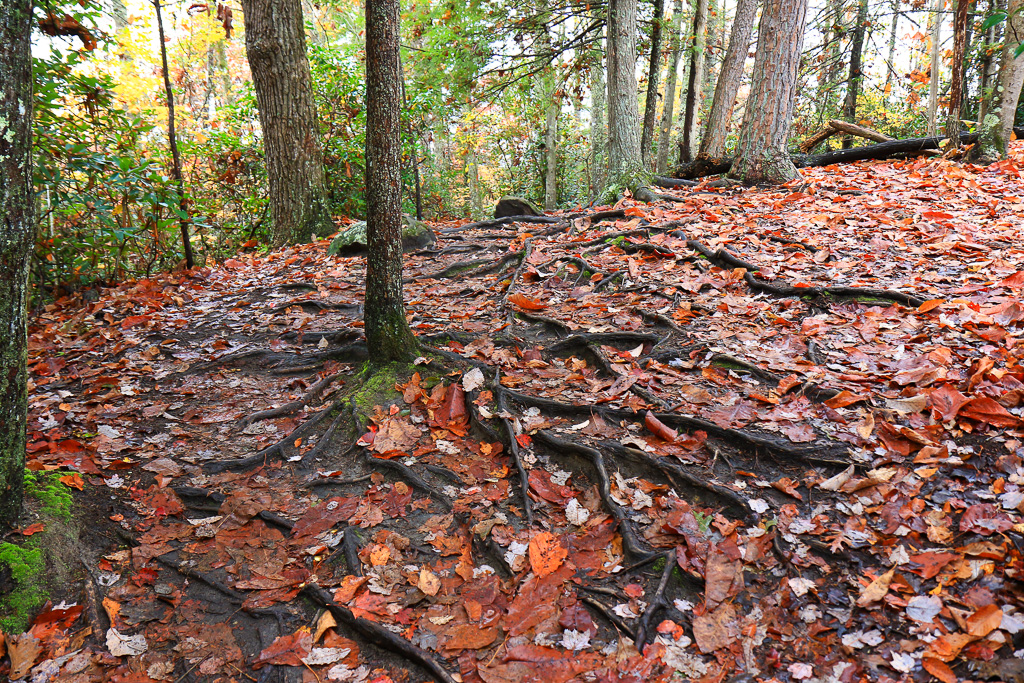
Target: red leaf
{"points": [[985, 519], [986, 410], [33, 529], [287, 650], [659, 428], [946, 402]]}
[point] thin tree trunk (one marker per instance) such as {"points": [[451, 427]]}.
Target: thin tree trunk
{"points": [[696, 81], [761, 155], [17, 229], [712, 146], [936, 67], [856, 75], [626, 168], [388, 337], [997, 127], [475, 202], [653, 73], [828, 79], [671, 84], [896, 14], [275, 43], [956, 87], [226, 91], [598, 127], [186, 243], [989, 66]]}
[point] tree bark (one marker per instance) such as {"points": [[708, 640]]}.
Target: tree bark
{"points": [[989, 66], [598, 127], [179, 180], [17, 229], [854, 79], [388, 337], [696, 80], [892, 46], [626, 168], [671, 82], [761, 155], [936, 67], [956, 87], [275, 44], [997, 127], [712, 146], [653, 73]]}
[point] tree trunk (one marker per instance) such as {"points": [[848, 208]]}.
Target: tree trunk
{"points": [[626, 169], [956, 87], [936, 67], [997, 127], [653, 72], [696, 80], [17, 229], [892, 46], [476, 204], [388, 337], [550, 151], [854, 79], [989, 66], [828, 78], [179, 180], [672, 74], [729, 79], [598, 127], [761, 155], [275, 44]]}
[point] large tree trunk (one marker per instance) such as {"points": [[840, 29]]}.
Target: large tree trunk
{"points": [[854, 79], [696, 81], [996, 129], [388, 337], [956, 87], [626, 169], [653, 72], [275, 44], [761, 155], [17, 228], [672, 74], [936, 67], [598, 127], [712, 146]]}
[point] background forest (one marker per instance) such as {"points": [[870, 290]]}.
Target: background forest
{"points": [[501, 97]]}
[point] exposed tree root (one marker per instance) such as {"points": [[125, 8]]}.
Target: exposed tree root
{"points": [[609, 616], [353, 352], [294, 406], [523, 263], [317, 305], [658, 601], [559, 326], [629, 538], [405, 472], [482, 267], [379, 635], [218, 498], [501, 222], [513, 448]]}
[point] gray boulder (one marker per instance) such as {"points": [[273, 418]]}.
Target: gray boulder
{"points": [[352, 241], [515, 206]]}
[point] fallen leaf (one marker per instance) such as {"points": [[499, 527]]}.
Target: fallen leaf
{"points": [[469, 637], [33, 529], [325, 622], [659, 428], [121, 645], [715, 630], [287, 650], [526, 302], [546, 553], [23, 651], [428, 582], [985, 620], [938, 669], [876, 590]]}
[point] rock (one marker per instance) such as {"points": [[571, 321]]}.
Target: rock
{"points": [[352, 241], [515, 206]]}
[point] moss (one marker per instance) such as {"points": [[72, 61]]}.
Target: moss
{"points": [[43, 560], [376, 385], [26, 566]]}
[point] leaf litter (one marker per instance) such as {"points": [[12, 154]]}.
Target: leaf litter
{"points": [[765, 432]]}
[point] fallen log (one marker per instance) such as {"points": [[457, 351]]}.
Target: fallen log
{"points": [[882, 150], [834, 127]]}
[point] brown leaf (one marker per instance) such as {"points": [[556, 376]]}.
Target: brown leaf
{"points": [[428, 581], [986, 410], [938, 669], [723, 578], [286, 650], [470, 637], [23, 650], [985, 519], [876, 590], [844, 398], [325, 622], [659, 428], [715, 630], [985, 620]]}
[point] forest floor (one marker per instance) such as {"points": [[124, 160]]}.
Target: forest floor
{"points": [[770, 434]]}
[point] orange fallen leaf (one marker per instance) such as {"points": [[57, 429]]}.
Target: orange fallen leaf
{"points": [[938, 669], [32, 529], [73, 481], [526, 302], [844, 398], [930, 305], [985, 620], [546, 554]]}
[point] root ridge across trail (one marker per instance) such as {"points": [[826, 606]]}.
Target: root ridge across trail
{"points": [[740, 433]]}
